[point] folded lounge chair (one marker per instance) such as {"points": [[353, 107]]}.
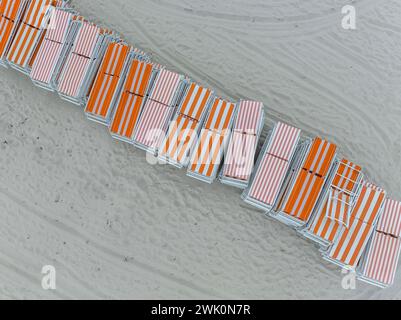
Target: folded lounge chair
{"points": [[210, 148], [306, 184], [100, 103], [379, 263], [82, 62], [11, 13], [56, 44], [184, 129], [349, 245], [131, 98], [272, 167], [159, 108], [333, 212], [240, 159], [30, 34]]}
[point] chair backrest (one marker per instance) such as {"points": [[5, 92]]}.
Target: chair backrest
{"points": [[165, 87], [86, 39], [249, 117], [195, 101], [390, 221], [220, 116]]}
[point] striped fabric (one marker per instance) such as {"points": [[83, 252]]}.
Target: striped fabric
{"points": [[138, 77], [210, 147], [46, 61], [6, 29], [341, 191], [220, 116], [352, 241], [382, 259], [9, 8], [383, 254], [249, 117], [195, 101], [153, 124], [126, 115], [208, 153], [326, 223], [86, 39], [28, 33], [283, 141], [243, 143], [51, 48], [107, 79], [274, 164], [58, 26], [165, 87], [131, 99], [79, 60], [183, 131], [73, 75], [324, 227], [310, 180], [390, 221], [240, 158], [304, 195], [320, 157], [180, 137]]}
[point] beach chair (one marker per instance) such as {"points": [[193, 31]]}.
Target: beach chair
{"points": [[272, 167], [306, 183], [131, 98], [379, 263], [29, 35], [351, 242], [240, 159], [158, 110], [56, 44], [99, 106], [83, 61], [211, 145], [333, 212], [11, 13], [184, 129]]}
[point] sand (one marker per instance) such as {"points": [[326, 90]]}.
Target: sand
{"points": [[116, 227]]}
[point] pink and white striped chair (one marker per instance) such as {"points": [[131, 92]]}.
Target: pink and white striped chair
{"points": [[56, 44], [240, 158], [158, 110], [82, 62], [272, 167], [379, 264]]}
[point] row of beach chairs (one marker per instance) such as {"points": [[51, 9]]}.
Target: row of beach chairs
{"points": [[299, 181]]}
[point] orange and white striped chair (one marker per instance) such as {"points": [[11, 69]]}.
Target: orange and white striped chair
{"points": [[306, 184], [30, 34], [100, 103], [210, 148], [159, 108], [379, 264], [240, 158], [81, 64], [272, 167], [333, 213], [11, 13], [56, 45], [131, 98], [184, 129], [351, 242]]}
